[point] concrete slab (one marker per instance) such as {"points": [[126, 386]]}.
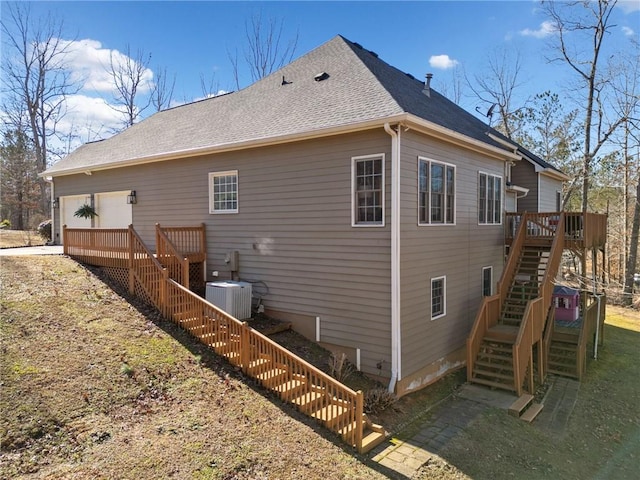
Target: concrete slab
{"points": [[40, 250], [492, 398]]}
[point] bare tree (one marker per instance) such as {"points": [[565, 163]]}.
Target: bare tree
{"points": [[35, 80], [498, 86], [163, 87], [131, 77], [265, 50], [454, 88], [578, 24], [209, 86]]}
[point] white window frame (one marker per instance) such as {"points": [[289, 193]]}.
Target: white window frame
{"points": [[446, 166], [354, 190], [212, 177], [500, 209], [443, 279], [482, 283]]}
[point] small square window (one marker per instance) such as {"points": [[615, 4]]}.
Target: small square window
{"points": [[487, 281], [223, 192]]}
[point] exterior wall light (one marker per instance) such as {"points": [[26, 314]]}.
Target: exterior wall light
{"points": [[131, 198], [56, 202]]}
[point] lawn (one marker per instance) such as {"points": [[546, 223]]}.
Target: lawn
{"points": [[93, 387], [19, 238]]}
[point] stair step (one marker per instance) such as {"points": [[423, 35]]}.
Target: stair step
{"points": [[563, 373], [492, 374], [506, 364], [502, 333], [565, 337], [330, 414], [307, 401], [489, 356], [489, 383], [532, 412], [520, 404], [289, 389], [372, 440], [273, 377]]}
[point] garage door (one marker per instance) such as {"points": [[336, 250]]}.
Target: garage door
{"points": [[68, 206], [113, 210]]}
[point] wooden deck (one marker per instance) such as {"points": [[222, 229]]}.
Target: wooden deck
{"points": [[581, 230], [162, 280]]}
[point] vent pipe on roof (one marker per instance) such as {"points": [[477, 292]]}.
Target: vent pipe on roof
{"points": [[427, 84]]}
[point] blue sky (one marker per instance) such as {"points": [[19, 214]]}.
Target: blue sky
{"points": [[192, 39]]}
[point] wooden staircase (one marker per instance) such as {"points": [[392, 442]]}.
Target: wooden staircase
{"points": [[508, 325], [563, 354]]}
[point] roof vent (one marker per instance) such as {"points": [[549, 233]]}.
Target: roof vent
{"points": [[373, 53], [427, 84], [321, 76], [410, 76]]}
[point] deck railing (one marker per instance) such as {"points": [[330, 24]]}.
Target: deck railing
{"points": [[489, 311], [188, 241], [168, 255], [583, 230], [314, 392], [588, 330], [101, 247]]}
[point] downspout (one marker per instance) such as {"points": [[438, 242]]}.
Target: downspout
{"points": [[53, 210], [598, 296], [395, 257]]}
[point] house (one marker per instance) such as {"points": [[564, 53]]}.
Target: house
{"points": [[367, 205]]}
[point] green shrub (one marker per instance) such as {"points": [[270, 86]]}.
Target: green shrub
{"points": [[5, 224]]}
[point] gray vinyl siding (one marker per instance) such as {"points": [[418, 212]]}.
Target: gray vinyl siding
{"points": [[458, 252], [548, 188], [293, 230], [524, 175]]}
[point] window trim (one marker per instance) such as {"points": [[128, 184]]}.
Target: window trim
{"points": [[492, 176], [442, 278], [212, 176], [429, 162], [354, 161], [482, 285]]}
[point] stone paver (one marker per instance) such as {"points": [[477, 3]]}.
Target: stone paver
{"points": [[451, 418]]}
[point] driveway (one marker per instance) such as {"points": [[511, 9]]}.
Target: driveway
{"points": [[40, 250]]}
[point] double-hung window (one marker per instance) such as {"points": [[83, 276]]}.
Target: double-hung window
{"points": [[223, 192], [489, 199], [368, 190], [436, 192], [438, 297]]}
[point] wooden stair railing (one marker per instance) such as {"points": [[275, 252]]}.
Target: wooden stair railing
{"points": [[489, 311], [294, 380], [168, 255]]}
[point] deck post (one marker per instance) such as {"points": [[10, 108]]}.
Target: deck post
{"points": [[132, 281], [359, 420], [245, 347], [65, 247]]}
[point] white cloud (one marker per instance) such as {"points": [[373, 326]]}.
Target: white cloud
{"points": [[90, 63], [546, 28], [629, 6], [442, 62], [628, 31]]}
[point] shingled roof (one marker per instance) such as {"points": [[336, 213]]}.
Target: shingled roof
{"points": [[357, 88]]}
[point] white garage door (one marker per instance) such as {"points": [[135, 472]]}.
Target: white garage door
{"points": [[68, 206], [113, 210]]}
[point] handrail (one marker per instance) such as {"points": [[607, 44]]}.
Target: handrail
{"points": [[534, 319], [188, 241], [509, 270], [168, 255], [247, 348], [546, 341], [148, 271]]}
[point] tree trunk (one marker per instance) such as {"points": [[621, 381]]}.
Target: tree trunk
{"points": [[632, 256]]}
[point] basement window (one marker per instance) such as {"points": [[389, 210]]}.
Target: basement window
{"points": [[438, 297], [223, 192]]}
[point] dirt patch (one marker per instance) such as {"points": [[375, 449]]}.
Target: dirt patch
{"points": [[19, 238]]}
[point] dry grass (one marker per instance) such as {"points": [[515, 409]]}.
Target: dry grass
{"points": [[19, 238], [92, 388]]}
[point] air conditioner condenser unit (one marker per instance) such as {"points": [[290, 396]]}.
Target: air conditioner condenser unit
{"points": [[232, 297]]}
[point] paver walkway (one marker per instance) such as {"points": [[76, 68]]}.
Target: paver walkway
{"points": [[446, 422], [455, 414]]}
